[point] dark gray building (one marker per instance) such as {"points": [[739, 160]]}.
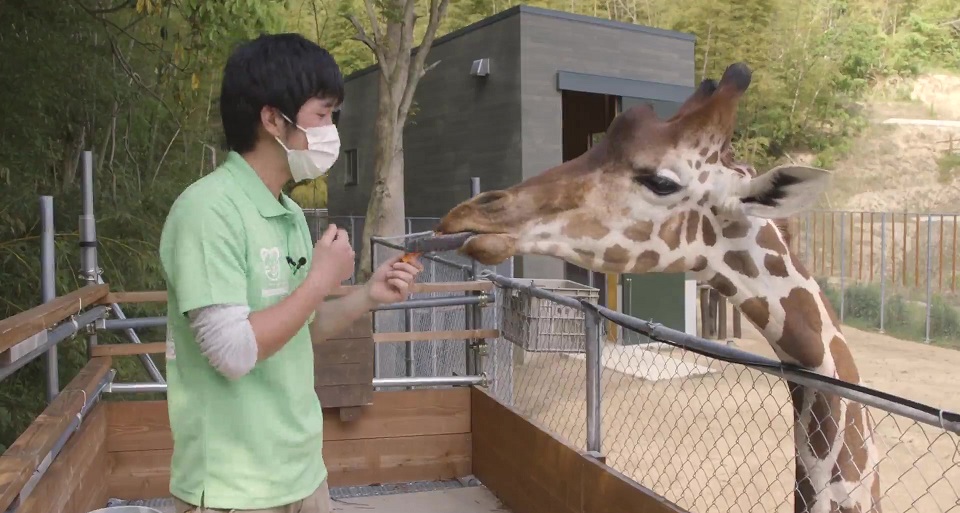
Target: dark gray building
{"points": [[548, 83]]}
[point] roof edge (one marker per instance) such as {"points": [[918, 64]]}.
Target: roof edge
{"points": [[539, 11]]}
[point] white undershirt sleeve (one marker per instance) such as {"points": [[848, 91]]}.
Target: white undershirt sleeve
{"points": [[226, 338]]}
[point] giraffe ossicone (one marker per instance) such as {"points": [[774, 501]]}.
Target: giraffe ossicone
{"points": [[666, 195]]}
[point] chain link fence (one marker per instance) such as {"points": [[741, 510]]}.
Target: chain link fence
{"points": [[717, 434], [707, 426]]}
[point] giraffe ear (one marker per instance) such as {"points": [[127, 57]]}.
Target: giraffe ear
{"points": [[784, 191]]}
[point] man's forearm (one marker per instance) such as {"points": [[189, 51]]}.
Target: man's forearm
{"points": [[336, 315], [275, 325]]}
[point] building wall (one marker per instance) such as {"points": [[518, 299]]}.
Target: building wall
{"points": [[552, 42], [461, 126]]}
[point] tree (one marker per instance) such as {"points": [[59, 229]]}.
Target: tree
{"points": [[400, 69]]}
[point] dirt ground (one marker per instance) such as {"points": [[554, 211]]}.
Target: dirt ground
{"points": [[723, 442]]}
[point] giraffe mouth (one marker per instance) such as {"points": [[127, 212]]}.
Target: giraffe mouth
{"points": [[486, 247]]}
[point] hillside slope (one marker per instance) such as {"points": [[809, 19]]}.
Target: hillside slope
{"points": [[904, 167]]}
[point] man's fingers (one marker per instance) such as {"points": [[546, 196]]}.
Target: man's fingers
{"points": [[400, 285], [410, 268], [329, 234]]}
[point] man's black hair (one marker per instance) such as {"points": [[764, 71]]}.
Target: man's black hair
{"points": [[278, 70]]}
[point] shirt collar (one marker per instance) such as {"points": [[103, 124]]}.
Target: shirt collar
{"points": [[251, 184]]}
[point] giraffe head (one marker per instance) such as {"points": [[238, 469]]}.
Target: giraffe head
{"points": [[652, 196]]}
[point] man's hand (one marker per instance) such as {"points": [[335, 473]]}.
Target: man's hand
{"points": [[391, 282], [333, 260]]}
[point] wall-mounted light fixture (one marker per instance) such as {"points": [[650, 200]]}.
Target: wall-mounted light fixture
{"points": [[480, 67]]}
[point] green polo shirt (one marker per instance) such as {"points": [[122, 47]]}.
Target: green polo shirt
{"points": [[254, 442]]}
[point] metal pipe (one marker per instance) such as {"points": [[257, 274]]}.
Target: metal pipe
{"points": [[883, 267], [136, 322], [408, 345], [373, 315], [54, 336], [425, 256], [421, 381], [843, 246], [438, 301], [926, 337], [593, 350], [949, 421], [474, 192], [89, 267], [48, 287], [145, 359]]}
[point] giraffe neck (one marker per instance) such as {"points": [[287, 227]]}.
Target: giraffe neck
{"points": [[836, 457]]}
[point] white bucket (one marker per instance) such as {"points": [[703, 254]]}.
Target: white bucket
{"points": [[127, 509]]}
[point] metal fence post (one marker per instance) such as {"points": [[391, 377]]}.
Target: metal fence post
{"points": [[373, 315], [883, 268], [593, 350], [843, 292], [926, 337], [89, 267], [408, 345], [48, 287], [470, 320]]}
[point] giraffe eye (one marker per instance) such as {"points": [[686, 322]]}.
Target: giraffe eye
{"points": [[659, 185]]}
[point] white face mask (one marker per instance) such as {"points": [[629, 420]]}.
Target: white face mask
{"points": [[323, 148]]}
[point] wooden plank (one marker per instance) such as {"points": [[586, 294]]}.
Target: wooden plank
{"points": [[147, 296], [146, 474], [344, 374], [159, 296], [532, 471], [139, 474], [68, 485], [338, 396], [145, 425], [420, 336], [138, 426], [23, 457], [25, 324], [361, 328], [397, 460], [128, 349], [354, 350]]}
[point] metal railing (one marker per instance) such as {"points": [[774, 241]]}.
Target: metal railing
{"points": [[892, 272], [709, 426]]}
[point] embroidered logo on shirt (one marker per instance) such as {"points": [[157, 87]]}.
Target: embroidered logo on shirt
{"points": [[271, 262]]}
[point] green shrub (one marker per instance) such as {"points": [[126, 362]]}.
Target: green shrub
{"points": [[944, 319]]}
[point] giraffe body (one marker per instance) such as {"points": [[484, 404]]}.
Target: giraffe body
{"points": [[666, 196]]}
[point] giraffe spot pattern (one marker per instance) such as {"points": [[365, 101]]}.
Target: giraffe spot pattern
{"points": [[616, 255], [735, 230], [831, 312], [741, 262], [699, 264], [843, 359], [723, 285], [709, 234], [703, 175], [693, 226], [801, 328], [757, 310], [703, 201], [714, 158], [799, 267], [639, 231], [768, 239], [585, 254], [646, 261], [852, 458], [582, 226], [775, 265], [823, 426], [676, 266], [671, 231]]}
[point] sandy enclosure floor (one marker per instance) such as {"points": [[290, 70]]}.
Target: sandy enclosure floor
{"points": [[723, 441]]}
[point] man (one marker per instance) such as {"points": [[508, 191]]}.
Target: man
{"points": [[246, 290]]}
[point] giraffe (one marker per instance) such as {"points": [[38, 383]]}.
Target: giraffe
{"points": [[667, 196]]}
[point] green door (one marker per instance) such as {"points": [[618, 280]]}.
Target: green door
{"points": [[655, 297]]}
